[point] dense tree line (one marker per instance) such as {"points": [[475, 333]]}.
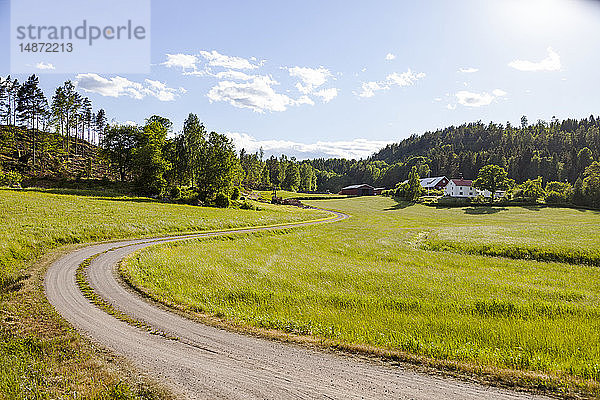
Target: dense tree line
{"points": [[556, 151]]}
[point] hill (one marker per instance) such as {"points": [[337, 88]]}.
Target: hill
{"points": [[555, 150], [54, 159]]}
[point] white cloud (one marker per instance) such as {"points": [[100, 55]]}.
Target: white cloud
{"points": [[215, 59], [119, 86], [369, 88], [451, 106], [550, 63], [256, 94], [470, 99], [499, 93], [407, 78], [185, 61], [468, 70], [327, 94], [390, 56], [45, 66], [234, 75], [311, 79], [357, 148]]}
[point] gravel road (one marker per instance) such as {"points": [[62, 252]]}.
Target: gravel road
{"points": [[205, 362]]}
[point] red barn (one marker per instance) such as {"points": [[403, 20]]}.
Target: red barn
{"points": [[358, 190]]}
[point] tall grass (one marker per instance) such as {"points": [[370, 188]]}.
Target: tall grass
{"points": [[31, 222], [40, 355], [367, 281]]}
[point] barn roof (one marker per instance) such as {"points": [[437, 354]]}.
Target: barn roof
{"points": [[429, 183], [364, 185]]}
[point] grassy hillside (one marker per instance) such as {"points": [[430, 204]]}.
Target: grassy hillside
{"points": [[369, 281], [40, 355]]}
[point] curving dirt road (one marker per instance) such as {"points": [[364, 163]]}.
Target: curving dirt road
{"points": [[204, 362]]}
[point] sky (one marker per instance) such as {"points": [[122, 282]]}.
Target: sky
{"points": [[344, 78]]}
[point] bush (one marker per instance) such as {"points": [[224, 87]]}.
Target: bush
{"points": [[222, 201], [175, 193], [559, 192], [188, 196], [236, 193], [10, 178], [248, 206]]}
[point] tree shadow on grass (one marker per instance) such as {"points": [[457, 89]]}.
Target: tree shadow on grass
{"points": [[484, 210], [400, 204]]}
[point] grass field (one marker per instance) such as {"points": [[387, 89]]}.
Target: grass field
{"points": [[373, 281], [40, 355]]}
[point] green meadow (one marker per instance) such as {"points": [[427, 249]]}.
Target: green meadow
{"points": [[415, 281], [40, 355]]}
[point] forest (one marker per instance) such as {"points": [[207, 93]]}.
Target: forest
{"points": [[62, 138]]}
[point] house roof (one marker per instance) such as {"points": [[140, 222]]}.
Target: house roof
{"points": [[462, 182], [364, 185], [430, 183]]}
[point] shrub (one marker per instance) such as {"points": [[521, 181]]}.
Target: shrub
{"points": [[10, 178], [222, 201], [188, 196], [236, 193], [175, 193], [248, 206], [559, 192]]}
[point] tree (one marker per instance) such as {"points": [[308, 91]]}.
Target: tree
{"points": [[559, 192], [410, 190], [253, 168], [149, 165], [87, 117], [276, 172], [117, 145], [194, 147], [292, 177], [308, 179], [492, 178], [99, 124], [8, 100], [31, 109], [531, 189], [265, 178], [584, 159], [591, 185], [220, 170]]}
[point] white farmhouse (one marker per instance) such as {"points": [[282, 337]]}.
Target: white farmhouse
{"points": [[465, 188], [461, 188]]}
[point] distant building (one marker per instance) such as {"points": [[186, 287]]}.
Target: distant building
{"points": [[465, 188], [358, 190], [378, 191], [436, 183], [461, 188]]}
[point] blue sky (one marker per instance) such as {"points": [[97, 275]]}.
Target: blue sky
{"points": [[342, 78]]}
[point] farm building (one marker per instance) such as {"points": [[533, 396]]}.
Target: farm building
{"points": [[461, 188], [465, 188], [436, 183], [358, 190], [378, 191]]}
